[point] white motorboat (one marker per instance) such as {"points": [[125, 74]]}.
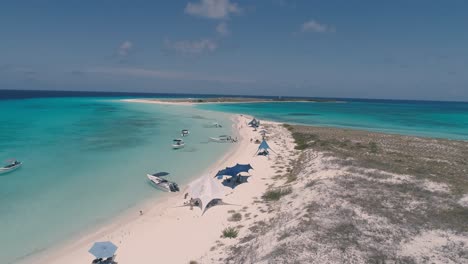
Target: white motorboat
{"points": [[221, 139], [14, 164], [162, 184], [185, 132], [178, 143], [215, 124]]}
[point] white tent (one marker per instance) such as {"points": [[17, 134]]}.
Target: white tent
{"points": [[207, 192]]}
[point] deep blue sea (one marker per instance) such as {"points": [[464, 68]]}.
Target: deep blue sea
{"points": [[86, 154]]}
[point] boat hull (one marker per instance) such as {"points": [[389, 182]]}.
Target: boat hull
{"points": [[165, 186], [8, 170], [219, 140]]}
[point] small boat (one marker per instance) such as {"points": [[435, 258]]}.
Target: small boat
{"points": [[161, 183], [215, 124], [221, 139], [14, 164], [178, 143], [185, 132]]}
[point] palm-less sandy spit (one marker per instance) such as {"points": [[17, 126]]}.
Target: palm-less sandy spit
{"points": [[166, 233], [346, 196]]}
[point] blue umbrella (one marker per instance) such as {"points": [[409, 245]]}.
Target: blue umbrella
{"points": [[103, 249]]}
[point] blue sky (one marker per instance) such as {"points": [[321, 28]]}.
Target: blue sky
{"points": [[411, 49]]}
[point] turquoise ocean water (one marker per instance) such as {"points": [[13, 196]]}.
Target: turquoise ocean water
{"points": [[85, 158], [85, 161], [430, 119]]}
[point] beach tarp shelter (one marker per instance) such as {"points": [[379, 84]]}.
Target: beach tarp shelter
{"points": [[254, 123], [235, 181], [206, 192], [234, 171], [263, 147], [103, 249]]}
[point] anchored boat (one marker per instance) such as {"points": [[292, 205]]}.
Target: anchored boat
{"points": [[178, 143], [14, 164], [161, 183], [221, 139], [185, 132]]}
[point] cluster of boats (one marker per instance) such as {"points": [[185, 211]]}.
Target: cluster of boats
{"points": [[158, 180], [178, 142]]}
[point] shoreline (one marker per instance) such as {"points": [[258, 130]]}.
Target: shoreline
{"points": [[311, 169], [154, 208]]}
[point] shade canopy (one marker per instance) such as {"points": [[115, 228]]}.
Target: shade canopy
{"points": [[264, 147], [254, 123], [234, 171], [205, 190], [103, 249], [235, 181]]}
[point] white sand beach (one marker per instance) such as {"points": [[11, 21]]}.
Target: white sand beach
{"points": [[167, 233]]}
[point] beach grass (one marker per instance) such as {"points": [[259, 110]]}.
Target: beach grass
{"points": [[438, 160], [230, 232]]}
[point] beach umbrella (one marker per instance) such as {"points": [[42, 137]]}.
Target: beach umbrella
{"points": [[103, 249], [160, 174]]}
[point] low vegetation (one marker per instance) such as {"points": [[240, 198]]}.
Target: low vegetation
{"points": [[235, 217], [439, 160], [276, 194], [230, 232], [362, 197]]}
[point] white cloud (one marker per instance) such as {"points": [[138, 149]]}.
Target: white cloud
{"points": [[173, 75], [315, 26], [214, 9], [192, 46], [125, 48], [222, 29]]}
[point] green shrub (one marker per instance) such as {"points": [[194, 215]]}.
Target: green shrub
{"points": [[230, 232]]}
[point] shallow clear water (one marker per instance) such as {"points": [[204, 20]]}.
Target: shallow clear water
{"points": [[85, 160], [431, 119]]}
